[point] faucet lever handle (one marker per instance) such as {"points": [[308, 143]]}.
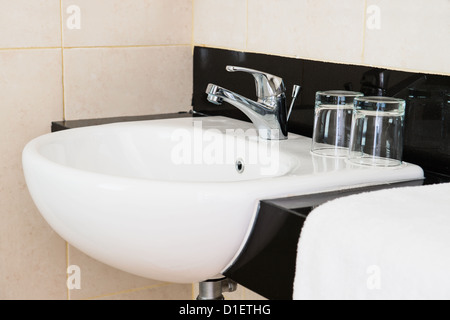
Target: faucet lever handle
{"points": [[267, 85], [295, 93]]}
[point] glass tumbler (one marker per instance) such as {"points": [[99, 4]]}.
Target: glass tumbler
{"points": [[377, 132], [332, 124]]}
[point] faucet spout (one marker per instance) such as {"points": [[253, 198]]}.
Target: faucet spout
{"points": [[268, 116]]}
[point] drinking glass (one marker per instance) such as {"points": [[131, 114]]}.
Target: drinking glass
{"points": [[332, 124], [377, 131]]}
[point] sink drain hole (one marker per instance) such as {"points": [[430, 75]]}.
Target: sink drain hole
{"points": [[240, 166]]}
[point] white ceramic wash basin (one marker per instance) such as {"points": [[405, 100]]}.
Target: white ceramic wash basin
{"points": [[165, 199]]}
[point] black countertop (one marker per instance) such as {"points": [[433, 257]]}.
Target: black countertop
{"points": [[72, 124]]}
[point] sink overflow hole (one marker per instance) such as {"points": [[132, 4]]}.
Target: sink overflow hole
{"points": [[240, 166]]}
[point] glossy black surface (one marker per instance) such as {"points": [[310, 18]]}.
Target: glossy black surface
{"points": [[267, 264], [427, 124], [71, 124]]}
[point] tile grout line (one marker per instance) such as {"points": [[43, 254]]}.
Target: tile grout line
{"points": [[62, 60], [97, 47], [130, 46], [64, 118]]}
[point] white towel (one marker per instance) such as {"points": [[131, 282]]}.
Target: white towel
{"points": [[386, 245]]}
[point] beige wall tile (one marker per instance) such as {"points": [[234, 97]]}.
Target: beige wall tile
{"points": [[128, 22], [32, 256], [220, 23], [412, 35], [250, 295], [98, 279], [326, 30], [276, 27], [30, 23], [112, 82], [161, 292]]}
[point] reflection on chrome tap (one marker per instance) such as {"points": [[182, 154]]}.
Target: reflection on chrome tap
{"points": [[269, 114]]}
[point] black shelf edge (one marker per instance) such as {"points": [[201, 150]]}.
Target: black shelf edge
{"points": [[72, 124], [267, 264]]}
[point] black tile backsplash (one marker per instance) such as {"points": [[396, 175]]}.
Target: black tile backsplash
{"points": [[427, 124]]}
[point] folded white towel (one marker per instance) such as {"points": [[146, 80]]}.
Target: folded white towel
{"points": [[391, 244]]}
